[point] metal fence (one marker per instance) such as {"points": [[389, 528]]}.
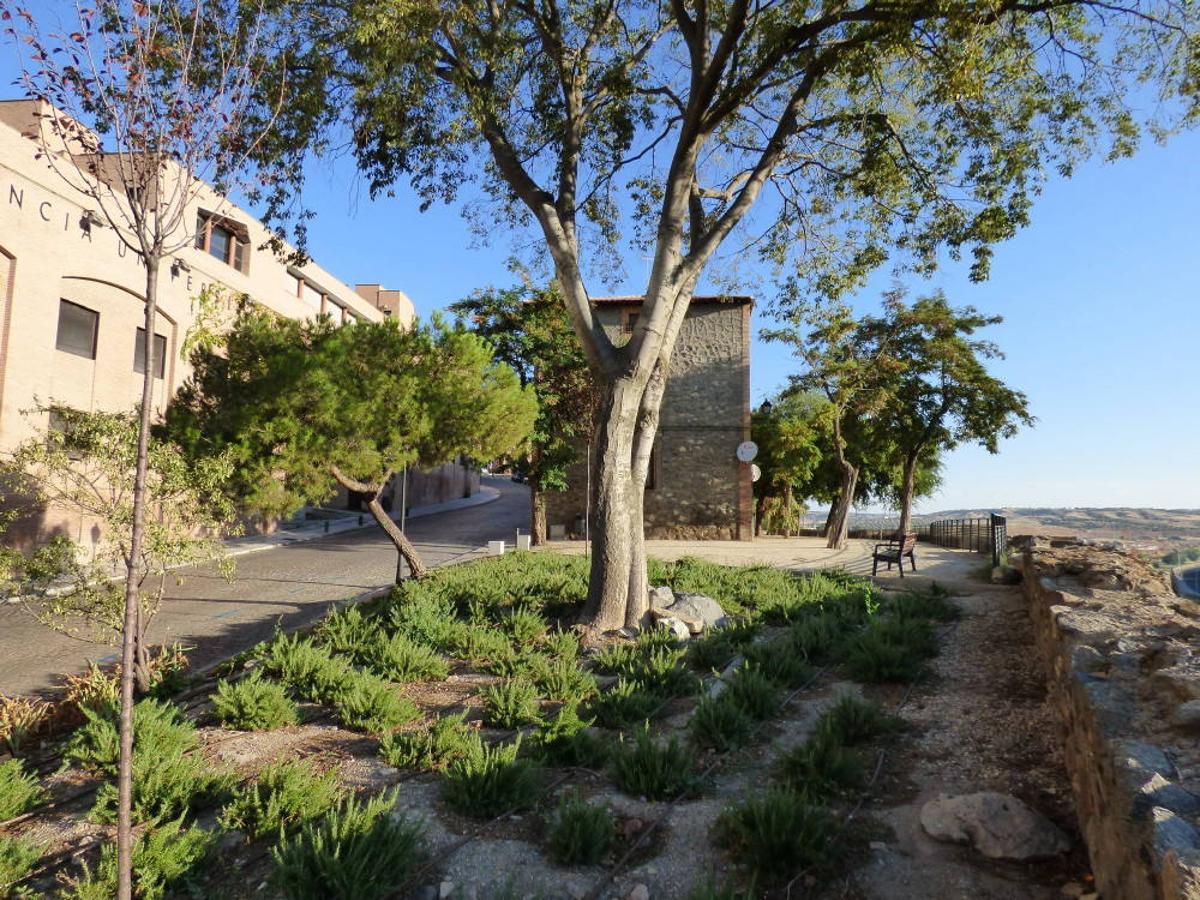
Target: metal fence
{"points": [[988, 536]]}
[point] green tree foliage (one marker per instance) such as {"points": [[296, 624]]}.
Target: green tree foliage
{"points": [[946, 396], [83, 464], [882, 131], [530, 331], [788, 433], [304, 407]]}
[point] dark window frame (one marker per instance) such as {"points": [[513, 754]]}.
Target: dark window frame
{"points": [[160, 353], [58, 337], [237, 247]]}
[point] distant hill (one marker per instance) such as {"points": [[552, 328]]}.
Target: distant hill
{"points": [[1162, 529]]}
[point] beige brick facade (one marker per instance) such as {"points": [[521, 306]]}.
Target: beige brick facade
{"points": [[697, 488], [50, 252]]}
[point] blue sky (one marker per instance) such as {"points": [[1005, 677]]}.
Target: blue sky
{"points": [[1101, 299]]}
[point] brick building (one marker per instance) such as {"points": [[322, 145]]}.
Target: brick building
{"points": [[71, 304], [696, 486]]}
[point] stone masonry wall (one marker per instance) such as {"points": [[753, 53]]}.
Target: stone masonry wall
{"points": [[699, 489], [1122, 653]]}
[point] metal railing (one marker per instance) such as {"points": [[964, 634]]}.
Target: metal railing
{"points": [[981, 535]]}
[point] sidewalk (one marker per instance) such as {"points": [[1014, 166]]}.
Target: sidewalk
{"points": [[311, 531]]}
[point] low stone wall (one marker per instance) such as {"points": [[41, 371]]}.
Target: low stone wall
{"points": [[1122, 655]]}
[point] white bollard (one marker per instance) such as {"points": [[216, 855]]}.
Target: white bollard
{"points": [[524, 541], [495, 548]]}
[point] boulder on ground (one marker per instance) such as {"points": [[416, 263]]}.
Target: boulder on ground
{"points": [[997, 825], [678, 627], [698, 607], [661, 597]]}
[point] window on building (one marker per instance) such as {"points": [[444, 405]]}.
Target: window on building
{"points": [[160, 354], [629, 317], [77, 329], [223, 238]]}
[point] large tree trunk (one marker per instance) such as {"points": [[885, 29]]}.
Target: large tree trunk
{"points": [[638, 603], [840, 513], [611, 523], [833, 505], [129, 634], [906, 494]]}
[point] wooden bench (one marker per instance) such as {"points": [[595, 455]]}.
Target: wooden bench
{"points": [[894, 552]]}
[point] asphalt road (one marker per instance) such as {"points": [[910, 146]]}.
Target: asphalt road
{"points": [[290, 585]]}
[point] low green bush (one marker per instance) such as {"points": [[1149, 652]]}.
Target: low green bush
{"points": [[491, 782], [165, 786], [95, 745], [165, 859], [779, 661], [367, 703], [306, 668], [617, 659], [253, 704], [357, 851], [753, 692], [718, 647], [624, 704], [562, 645], [815, 638], [482, 645], [429, 620], [821, 767], [526, 625], [776, 834], [348, 632], [17, 859], [579, 833], [284, 796], [511, 703], [656, 637], [890, 650], [19, 790], [566, 741], [720, 724], [398, 658], [851, 721], [934, 604], [561, 679], [653, 769], [711, 890], [662, 671], [431, 748]]}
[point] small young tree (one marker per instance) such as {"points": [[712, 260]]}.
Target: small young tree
{"points": [[529, 330], [83, 466], [145, 100], [853, 364], [788, 433], [306, 407], [946, 396]]}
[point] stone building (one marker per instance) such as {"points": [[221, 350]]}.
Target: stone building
{"points": [[696, 487], [71, 297]]}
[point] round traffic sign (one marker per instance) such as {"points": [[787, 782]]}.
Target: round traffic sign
{"points": [[746, 451]]}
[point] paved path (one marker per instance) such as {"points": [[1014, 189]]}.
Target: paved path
{"points": [[292, 585]]}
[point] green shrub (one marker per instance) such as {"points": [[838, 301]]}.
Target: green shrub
{"points": [[164, 858], [367, 703], [427, 620], [753, 692], [561, 679], [511, 703], [284, 796], [618, 659], [348, 631], [821, 766], [492, 782], [716, 648], [512, 663], [566, 741], [307, 669], [357, 851], [253, 704], [779, 661], [662, 671], [434, 748], [852, 721], [481, 644], [655, 638], [526, 625], [19, 790], [710, 890], [891, 650], [652, 769], [932, 605], [562, 645], [720, 724], [398, 658], [815, 638], [95, 745], [17, 859], [776, 834], [624, 704], [579, 833], [165, 786]]}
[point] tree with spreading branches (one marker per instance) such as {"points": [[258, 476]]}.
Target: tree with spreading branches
{"points": [[528, 329], [142, 103], [827, 138]]}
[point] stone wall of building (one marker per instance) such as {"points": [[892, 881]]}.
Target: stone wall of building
{"points": [[1122, 655], [697, 488]]}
